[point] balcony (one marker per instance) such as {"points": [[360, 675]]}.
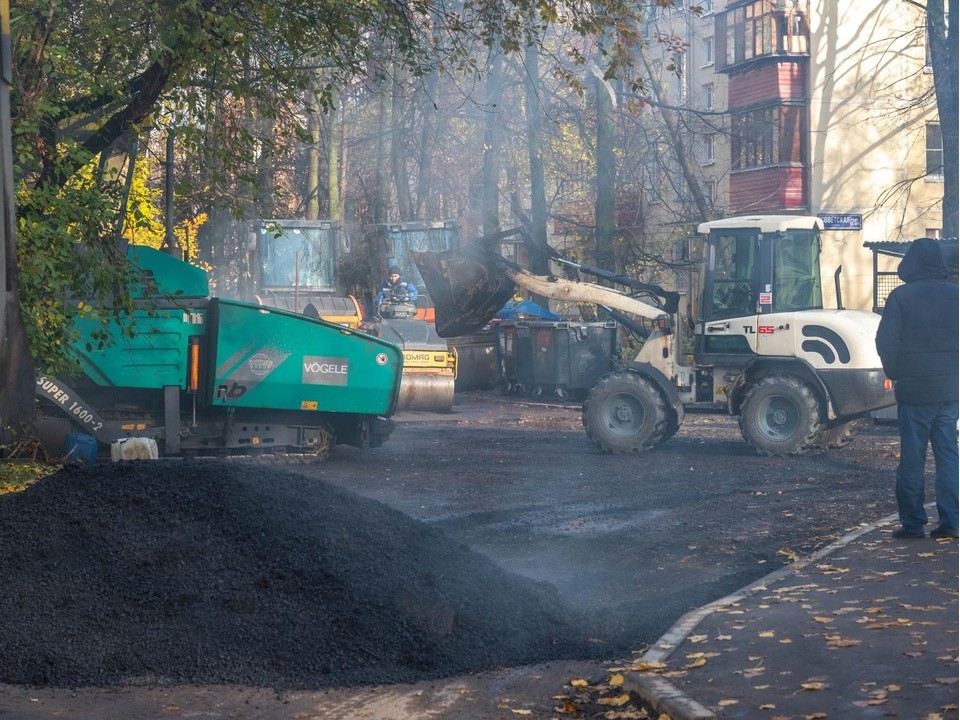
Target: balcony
{"points": [[755, 30]]}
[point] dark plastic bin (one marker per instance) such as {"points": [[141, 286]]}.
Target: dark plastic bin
{"points": [[476, 361], [561, 358]]}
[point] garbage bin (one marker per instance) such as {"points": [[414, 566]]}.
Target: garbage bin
{"points": [[476, 361], [563, 359]]}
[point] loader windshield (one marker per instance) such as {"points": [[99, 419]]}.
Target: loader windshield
{"points": [[298, 256], [796, 271]]}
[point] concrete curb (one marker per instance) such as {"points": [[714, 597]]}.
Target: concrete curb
{"points": [[665, 697]]}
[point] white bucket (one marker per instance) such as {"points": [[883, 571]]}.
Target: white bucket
{"points": [[134, 449]]}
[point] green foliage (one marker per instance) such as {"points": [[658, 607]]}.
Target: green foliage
{"points": [[67, 255]]}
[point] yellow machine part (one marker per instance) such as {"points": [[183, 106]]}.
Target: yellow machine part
{"points": [[428, 379]]}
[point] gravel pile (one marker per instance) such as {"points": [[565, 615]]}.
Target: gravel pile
{"points": [[197, 572]]}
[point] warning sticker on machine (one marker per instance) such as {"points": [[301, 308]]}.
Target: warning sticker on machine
{"points": [[324, 370]]}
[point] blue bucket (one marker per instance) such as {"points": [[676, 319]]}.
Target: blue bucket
{"points": [[80, 448]]}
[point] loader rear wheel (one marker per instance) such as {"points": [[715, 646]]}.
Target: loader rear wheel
{"points": [[624, 412], [780, 416]]}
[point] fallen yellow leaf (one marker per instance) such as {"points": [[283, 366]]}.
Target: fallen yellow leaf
{"points": [[766, 634], [724, 637], [699, 662], [653, 665], [616, 680], [568, 708], [579, 683], [521, 712], [838, 641], [615, 701], [768, 706], [727, 703], [812, 685], [697, 638]]}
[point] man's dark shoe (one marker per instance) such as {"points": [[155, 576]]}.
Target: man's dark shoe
{"points": [[904, 533], [943, 533]]}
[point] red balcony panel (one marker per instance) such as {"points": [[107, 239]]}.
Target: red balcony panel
{"points": [[768, 190], [768, 83]]}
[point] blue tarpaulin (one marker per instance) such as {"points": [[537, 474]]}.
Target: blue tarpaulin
{"points": [[525, 309]]}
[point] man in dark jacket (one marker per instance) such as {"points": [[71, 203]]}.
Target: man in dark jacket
{"points": [[917, 341], [395, 288]]}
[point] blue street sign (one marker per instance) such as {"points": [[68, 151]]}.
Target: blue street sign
{"points": [[841, 221]]}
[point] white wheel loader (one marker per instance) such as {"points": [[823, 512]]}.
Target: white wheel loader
{"points": [[798, 376]]}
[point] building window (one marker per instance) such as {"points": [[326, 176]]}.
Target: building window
{"points": [[768, 136], [679, 69], [761, 28], [707, 6], [708, 96], [708, 51], [710, 192], [934, 151], [709, 143]]}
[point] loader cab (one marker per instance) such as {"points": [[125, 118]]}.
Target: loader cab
{"points": [[754, 266], [296, 270], [296, 254]]}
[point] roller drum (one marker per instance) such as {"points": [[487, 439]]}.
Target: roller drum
{"points": [[430, 392]]}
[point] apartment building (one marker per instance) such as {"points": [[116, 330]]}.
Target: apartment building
{"points": [[816, 107]]}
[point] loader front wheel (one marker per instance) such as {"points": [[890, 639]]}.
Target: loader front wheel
{"points": [[624, 412], [838, 436], [780, 416]]}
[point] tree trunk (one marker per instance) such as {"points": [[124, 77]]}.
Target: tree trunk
{"points": [[942, 34], [425, 208], [538, 199], [312, 206], [398, 152], [266, 175], [605, 209], [381, 197], [16, 365], [490, 212], [333, 159]]}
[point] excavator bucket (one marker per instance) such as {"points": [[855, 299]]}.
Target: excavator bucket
{"points": [[467, 288]]}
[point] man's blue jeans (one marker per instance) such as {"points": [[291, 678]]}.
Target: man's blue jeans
{"points": [[920, 425]]}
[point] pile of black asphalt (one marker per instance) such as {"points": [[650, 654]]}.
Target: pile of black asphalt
{"points": [[230, 573]]}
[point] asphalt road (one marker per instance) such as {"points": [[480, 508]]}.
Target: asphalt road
{"points": [[636, 541]]}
